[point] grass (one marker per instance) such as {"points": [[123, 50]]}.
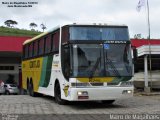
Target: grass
{"points": [[5, 31]]}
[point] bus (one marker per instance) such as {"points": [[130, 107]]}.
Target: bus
{"points": [[79, 62]]}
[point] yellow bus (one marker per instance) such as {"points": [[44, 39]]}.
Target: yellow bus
{"points": [[79, 62]]}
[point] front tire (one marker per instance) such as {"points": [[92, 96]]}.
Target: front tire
{"points": [[57, 94], [27, 90], [31, 90]]}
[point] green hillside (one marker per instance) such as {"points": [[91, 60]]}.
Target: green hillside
{"points": [[5, 31]]}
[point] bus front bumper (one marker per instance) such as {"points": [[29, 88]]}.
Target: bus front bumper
{"points": [[100, 93]]}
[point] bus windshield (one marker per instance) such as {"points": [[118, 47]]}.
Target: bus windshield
{"points": [[98, 33], [100, 60]]}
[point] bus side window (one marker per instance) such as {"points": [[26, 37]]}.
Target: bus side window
{"points": [[48, 44], [41, 47], [44, 45], [65, 34], [66, 61], [55, 41], [30, 49], [52, 43], [35, 48], [26, 51], [23, 55], [33, 44]]}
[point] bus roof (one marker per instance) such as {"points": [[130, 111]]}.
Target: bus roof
{"points": [[73, 24]]}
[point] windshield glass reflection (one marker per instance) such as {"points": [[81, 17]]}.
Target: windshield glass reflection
{"points": [[118, 59], [99, 60], [85, 61]]}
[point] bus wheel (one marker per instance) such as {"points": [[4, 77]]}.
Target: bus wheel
{"points": [[108, 102], [31, 91], [57, 94], [27, 91]]}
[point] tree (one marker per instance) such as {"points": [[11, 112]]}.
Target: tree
{"points": [[32, 25], [43, 27], [14, 23], [10, 23]]}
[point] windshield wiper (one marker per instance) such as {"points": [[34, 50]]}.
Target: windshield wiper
{"points": [[113, 66], [95, 67]]}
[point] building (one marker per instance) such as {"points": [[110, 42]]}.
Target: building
{"points": [[10, 58], [147, 75], [142, 46]]}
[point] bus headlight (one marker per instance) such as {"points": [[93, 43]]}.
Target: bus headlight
{"points": [[127, 92], [82, 95]]}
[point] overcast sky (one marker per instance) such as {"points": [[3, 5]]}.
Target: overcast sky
{"points": [[55, 12]]}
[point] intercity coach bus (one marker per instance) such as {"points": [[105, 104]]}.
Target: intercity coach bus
{"points": [[79, 62]]}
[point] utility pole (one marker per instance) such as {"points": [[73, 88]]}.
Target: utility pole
{"points": [[147, 88]]}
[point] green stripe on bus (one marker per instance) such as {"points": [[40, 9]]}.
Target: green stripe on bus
{"points": [[46, 71], [43, 73]]}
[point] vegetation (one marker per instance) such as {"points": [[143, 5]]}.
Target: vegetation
{"points": [[10, 23], [5, 31], [32, 25], [43, 27]]}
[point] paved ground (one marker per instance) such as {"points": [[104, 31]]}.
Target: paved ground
{"points": [[40, 106]]}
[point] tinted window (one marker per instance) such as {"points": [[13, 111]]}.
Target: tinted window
{"points": [[48, 44], [98, 60], [30, 50], [35, 48], [52, 43], [41, 46], [26, 51], [99, 33], [65, 34], [56, 41], [66, 61], [118, 59]]}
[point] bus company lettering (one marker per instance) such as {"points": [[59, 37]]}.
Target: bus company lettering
{"points": [[114, 41], [34, 64]]}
